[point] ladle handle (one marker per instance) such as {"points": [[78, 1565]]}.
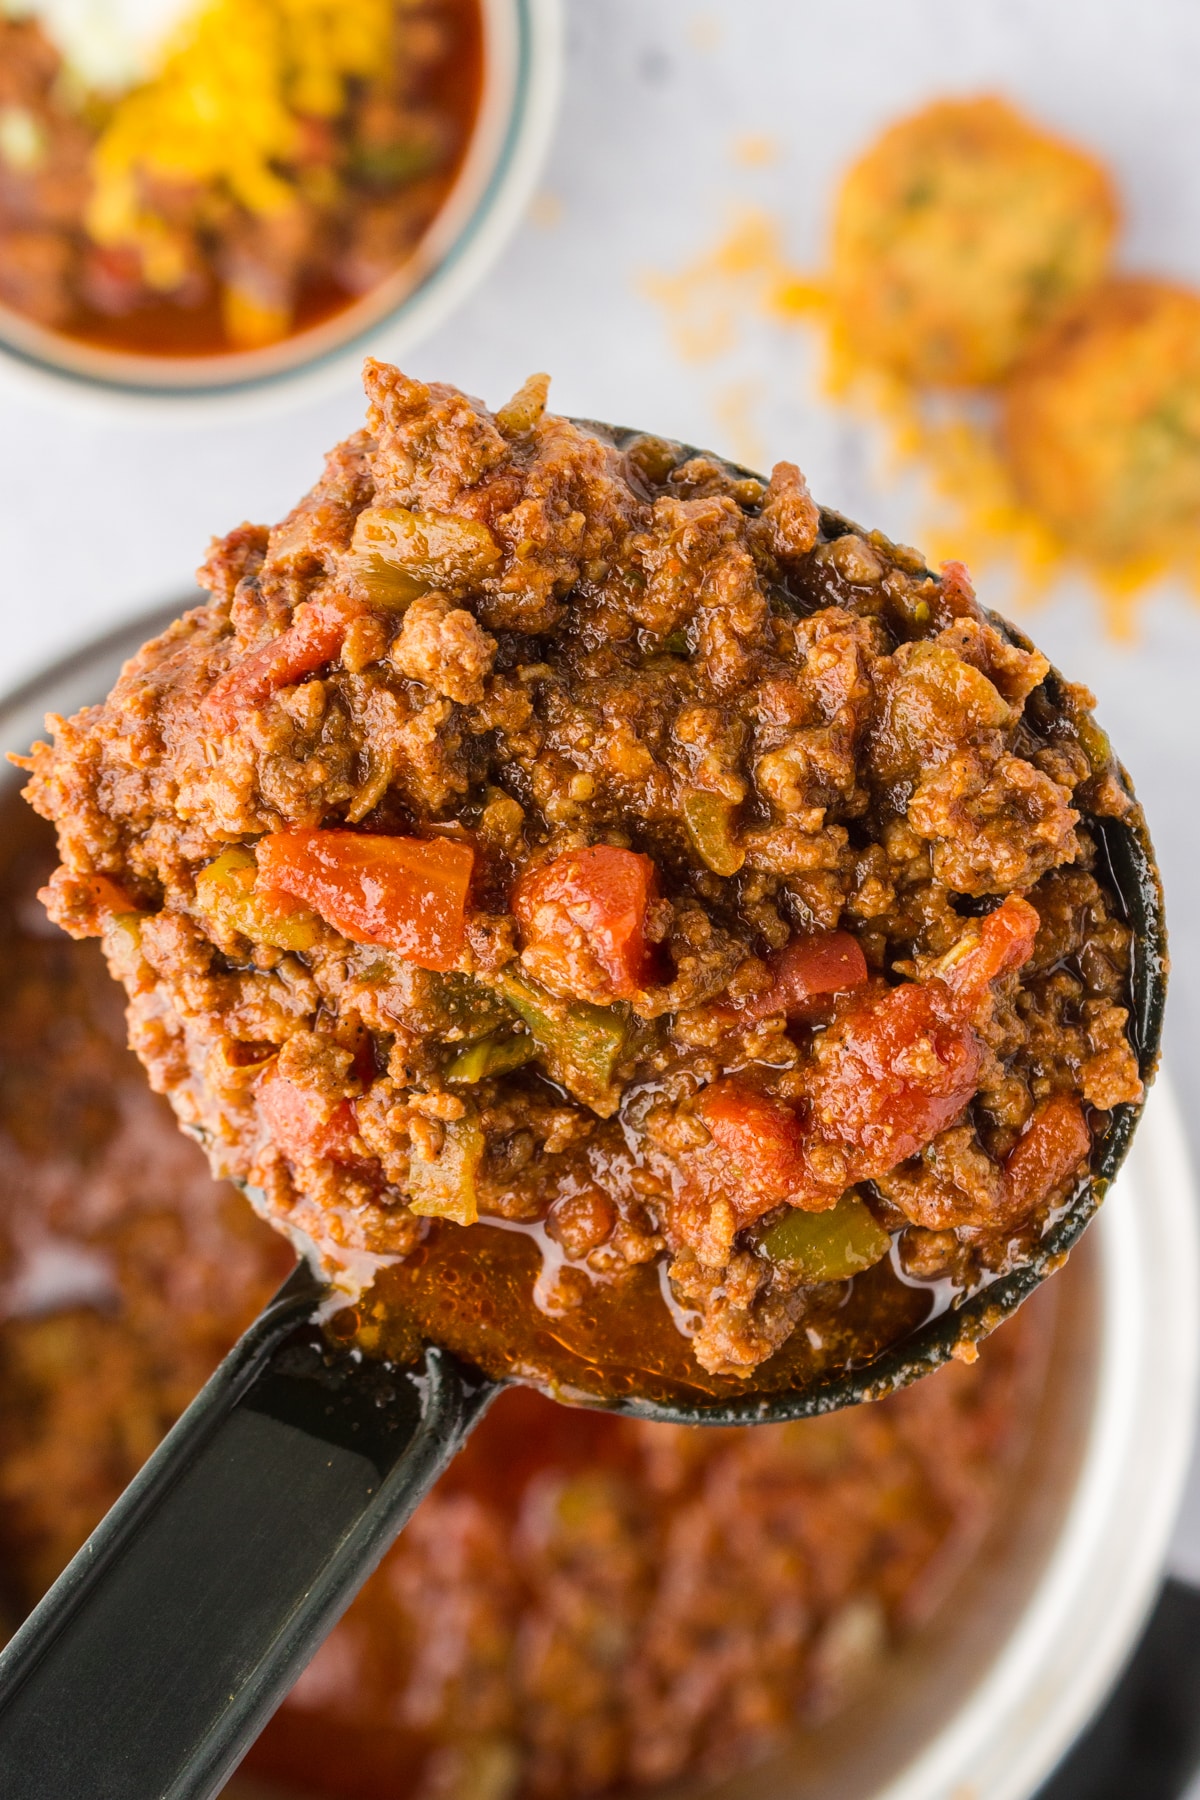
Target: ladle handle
{"points": [[160, 1652]]}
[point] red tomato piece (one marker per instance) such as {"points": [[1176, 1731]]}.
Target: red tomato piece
{"points": [[107, 897], [809, 967], [84, 904], [407, 893], [760, 1145], [302, 1125], [1005, 943], [891, 1074], [958, 590], [313, 639], [583, 918], [1053, 1146]]}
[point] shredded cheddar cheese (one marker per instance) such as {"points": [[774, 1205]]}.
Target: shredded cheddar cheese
{"points": [[224, 113], [704, 301]]}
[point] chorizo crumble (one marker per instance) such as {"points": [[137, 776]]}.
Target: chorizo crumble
{"points": [[564, 830]]}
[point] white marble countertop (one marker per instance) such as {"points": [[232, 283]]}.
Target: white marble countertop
{"points": [[677, 117]]}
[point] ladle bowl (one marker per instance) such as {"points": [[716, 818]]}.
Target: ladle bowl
{"points": [[159, 1653]]}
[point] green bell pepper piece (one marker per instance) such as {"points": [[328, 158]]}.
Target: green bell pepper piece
{"points": [[226, 896], [827, 1246], [446, 1187], [709, 820], [579, 1043]]}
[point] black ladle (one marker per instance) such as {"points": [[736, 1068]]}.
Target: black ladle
{"points": [[159, 1654]]}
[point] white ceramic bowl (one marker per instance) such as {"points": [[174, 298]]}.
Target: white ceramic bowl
{"points": [[522, 70], [983, 1703]]}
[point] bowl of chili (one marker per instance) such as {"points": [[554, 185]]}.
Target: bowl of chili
{"points": [[143, 264]]}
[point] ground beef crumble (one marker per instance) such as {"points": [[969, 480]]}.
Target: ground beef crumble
{"points": [[569, 829], [562, 1608]]}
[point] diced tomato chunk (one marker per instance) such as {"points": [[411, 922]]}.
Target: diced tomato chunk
{"points": [[84, 905], [107, 898], [1053, 1146], [313, 639], [958, 590], [302, 1125], [583, 919], [760, 1142], [1005, 944], [891, 1074], [407, 893], [896, 1067], [809, 967]]}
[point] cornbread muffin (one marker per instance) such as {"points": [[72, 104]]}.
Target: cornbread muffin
{"points": [[964, 235], [1102, 430]]}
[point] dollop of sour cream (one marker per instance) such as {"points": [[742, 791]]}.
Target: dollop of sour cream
{"points": [[108, 45]]}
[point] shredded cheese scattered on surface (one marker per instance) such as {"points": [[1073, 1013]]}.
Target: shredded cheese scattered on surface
{"points": [[705, 300], [755, 150], [735, 406], [974, 510]]}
